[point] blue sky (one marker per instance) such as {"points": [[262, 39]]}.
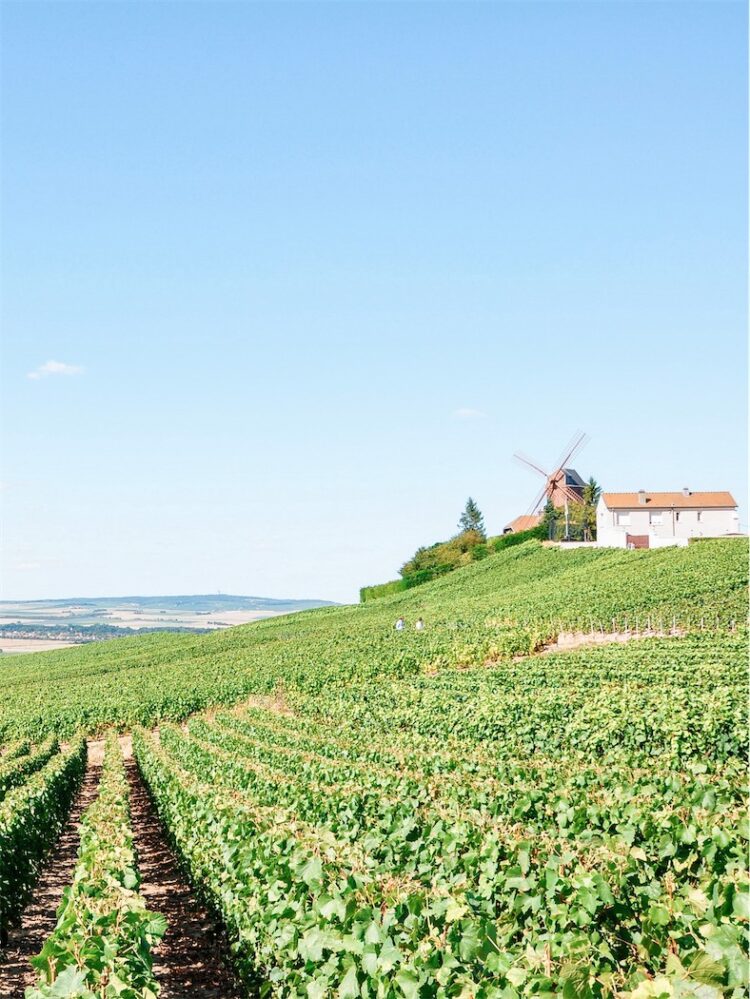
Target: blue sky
{"points": [[324, 267]]}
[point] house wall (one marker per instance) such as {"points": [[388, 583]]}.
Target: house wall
{"points": [[676, 525], [654, 542]]}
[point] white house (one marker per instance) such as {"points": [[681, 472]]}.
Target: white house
{"points": [[652, 520]]}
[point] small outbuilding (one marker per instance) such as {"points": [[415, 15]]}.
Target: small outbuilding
{"points": [[523, 523], [653, 520]]}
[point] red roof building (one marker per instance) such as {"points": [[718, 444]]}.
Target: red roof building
{"points": [[652, 520]]}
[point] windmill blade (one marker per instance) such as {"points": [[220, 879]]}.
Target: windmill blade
{"points": [[566, 451], [524, 460], [538, 501], [572, 447], [579, 440]]}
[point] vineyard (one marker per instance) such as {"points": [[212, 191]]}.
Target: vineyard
{"points": [[510, 604], [458, 812]]}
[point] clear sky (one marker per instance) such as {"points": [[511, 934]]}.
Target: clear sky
{"points": [[308, 274]]}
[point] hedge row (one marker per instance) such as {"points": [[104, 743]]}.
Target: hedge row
{"points": [[479, 552], [405, 583]]}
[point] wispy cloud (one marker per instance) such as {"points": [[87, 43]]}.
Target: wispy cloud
{"points": [[54, 368], [27, 566], [466, 413]]}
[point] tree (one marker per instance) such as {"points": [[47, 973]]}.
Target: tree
{"points": [[591, 493], [472, 519], [549, 519]]}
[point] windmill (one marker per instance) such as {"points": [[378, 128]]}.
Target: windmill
{"points": [[564, 485]]}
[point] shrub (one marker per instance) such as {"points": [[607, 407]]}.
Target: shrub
{"points": [[517, 538]]}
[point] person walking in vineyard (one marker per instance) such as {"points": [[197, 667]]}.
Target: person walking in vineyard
{"points": [[400, 623], [419, 626]]}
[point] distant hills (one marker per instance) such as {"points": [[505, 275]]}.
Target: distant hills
{"points": [[195, 603], [30, 625]]}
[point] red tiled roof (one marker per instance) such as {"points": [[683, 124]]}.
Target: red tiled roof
{"points": [[523, 523], [693, 501]]}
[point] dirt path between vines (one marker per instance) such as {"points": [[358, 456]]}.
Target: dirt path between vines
{"points": [[191, 962], [40, 916]]}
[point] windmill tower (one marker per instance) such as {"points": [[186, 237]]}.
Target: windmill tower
{"points": [[562, 486]]}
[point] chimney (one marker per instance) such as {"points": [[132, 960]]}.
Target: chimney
{"points": [[642, 497], [685, 491]]}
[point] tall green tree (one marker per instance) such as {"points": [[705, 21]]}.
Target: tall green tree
{"points": [[591, 493], [472, 519]]}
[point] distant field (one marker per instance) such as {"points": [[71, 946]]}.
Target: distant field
{"points": [[15, 646], [41, 625]]}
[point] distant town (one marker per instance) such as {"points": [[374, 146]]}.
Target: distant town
{"points": [[43, 625]]}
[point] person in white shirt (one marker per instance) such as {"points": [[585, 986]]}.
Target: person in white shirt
{"points": [[400, 624], [419, 626]]}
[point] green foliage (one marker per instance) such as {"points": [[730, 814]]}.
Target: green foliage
{"points": [[101, 944], [581, 525], [503, 541], [31, 817], [383, 590], [555, 827], [21, 747], [627, 687], [417, 578], [471, 520], [507, 604], [564, 825], [550, 516], [16, 767], [444, 556], [581, 516], [591, 493]]}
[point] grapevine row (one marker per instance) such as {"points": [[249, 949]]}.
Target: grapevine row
{"points": [[31, 817], [104, 934], [510, 604], [549, 871]]}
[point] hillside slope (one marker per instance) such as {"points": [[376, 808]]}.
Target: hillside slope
{"points": [[507, 605], [391, 823]]}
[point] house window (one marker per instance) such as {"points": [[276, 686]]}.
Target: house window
{"points": [[655, 519], [623, 519], [677, 515], [700, 516]]}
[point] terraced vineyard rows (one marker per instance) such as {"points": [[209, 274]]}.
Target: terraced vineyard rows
{"points": [[415, 865], [675, 694], [507, 605], [379, 820]]}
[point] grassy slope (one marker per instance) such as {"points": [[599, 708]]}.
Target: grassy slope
{"points": [[502, 606]]}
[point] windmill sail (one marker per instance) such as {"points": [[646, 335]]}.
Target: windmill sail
{"points": [[563, 485]]}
